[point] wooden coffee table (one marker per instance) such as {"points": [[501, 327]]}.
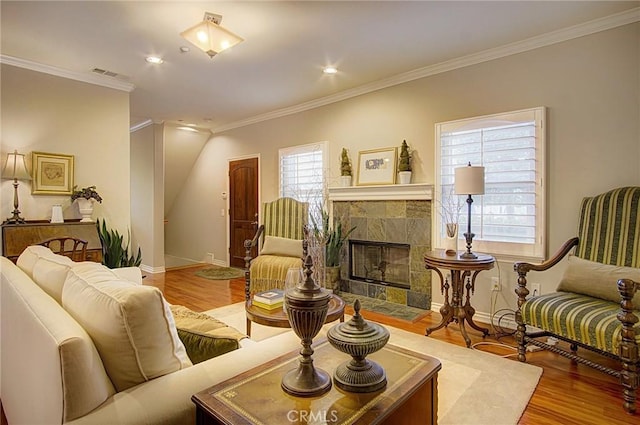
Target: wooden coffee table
{"points": [[255, 396], [278, 319]]}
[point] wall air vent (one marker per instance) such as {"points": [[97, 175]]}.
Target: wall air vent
{"points": [[104, 72]]}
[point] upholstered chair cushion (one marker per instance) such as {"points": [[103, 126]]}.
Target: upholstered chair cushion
{"points": [[131, 325], [597, 279], [284, 247]]}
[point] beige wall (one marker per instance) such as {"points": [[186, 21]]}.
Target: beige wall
{"points": [[589, 85], [146, 210], [41, 112]]}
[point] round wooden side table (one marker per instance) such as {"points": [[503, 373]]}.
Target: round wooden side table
{"points": [[462, 269], [278, 319]]}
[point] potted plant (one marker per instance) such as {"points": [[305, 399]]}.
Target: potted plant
{"points": [[84, 198], [115, 252], [345, 169], [332, 239], [404, 164]]}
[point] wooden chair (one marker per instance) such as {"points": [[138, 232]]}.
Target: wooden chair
{"points": [[278, 242], [71, 247], [594, 306]]}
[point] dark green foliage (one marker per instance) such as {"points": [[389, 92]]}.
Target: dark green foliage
{"points": [[405, 158], [115, 253], [333, 238]]}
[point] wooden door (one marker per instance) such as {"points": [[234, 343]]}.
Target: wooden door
{"points": [[243, 207]]}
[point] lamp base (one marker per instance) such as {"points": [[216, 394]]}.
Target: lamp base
{"points": [[468, 255], [14, 219]]}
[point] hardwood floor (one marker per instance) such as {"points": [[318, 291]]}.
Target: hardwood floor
{"points": [[568, 393]]}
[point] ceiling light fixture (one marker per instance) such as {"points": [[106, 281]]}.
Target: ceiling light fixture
{"points": [[154, 59], [330, 70], [209, 36]]}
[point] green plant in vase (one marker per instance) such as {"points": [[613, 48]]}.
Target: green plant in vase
{"points": [[404, 164], [345, 168], [115, 253], [333, 239]]}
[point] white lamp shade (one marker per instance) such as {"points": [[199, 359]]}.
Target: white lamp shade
{"points": [[469, 180], [15, 167], [210, 37]]}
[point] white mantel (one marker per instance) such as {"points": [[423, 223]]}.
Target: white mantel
{"points": [[391, 192]]}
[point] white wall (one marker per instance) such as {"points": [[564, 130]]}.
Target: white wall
{"points": [[590, 86], [41, 112]]}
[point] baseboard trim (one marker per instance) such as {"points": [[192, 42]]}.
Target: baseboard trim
{"points": [[152, 270]]}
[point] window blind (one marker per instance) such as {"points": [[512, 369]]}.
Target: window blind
{"points": [[508, 218]]}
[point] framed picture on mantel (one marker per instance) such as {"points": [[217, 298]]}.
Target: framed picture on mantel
{"points": [[52, 174], [377, 167]]}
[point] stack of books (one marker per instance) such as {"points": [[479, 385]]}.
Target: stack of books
{"points": [[269, 300]]}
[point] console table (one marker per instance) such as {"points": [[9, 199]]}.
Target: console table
{"points": [[255, 396], [16, 237], [462, 269]]}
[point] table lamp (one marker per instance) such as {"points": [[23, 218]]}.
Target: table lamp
{"points": [[469, 181], [16, 169]]}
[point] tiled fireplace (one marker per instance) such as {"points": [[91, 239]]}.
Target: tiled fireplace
{"points": [[388, 220]]}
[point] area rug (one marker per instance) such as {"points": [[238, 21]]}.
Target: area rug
{"points": [[474, 387], [220, 273], [384, 307]]}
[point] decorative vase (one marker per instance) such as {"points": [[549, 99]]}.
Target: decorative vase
{"points": [[345, 181], [85, 206], [451, 239], [332, 278], [56, 214], [358, 338], [404, 177], [307, 305]]}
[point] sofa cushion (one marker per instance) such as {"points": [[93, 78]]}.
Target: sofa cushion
{"points": [[597, 279], [204, 336], [49, 273], [131, 325], [31, 254], [274, 245]]}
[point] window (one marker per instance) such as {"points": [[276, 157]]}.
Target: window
{"points": [[508, 220], [302, 174]]}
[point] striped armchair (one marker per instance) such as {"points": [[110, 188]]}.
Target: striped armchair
{"points": [[597, 303], [279, 240]]}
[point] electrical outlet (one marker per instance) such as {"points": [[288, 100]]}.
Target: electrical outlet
{"points": [[535, 289], [495, 284]]}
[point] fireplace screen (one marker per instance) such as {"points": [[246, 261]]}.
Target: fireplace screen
{"points": [[380, 262]]}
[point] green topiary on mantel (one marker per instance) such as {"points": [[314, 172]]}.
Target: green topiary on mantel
{"points": [[405, 157]]}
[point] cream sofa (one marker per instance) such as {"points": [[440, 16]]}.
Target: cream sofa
{"points": [[133, 369]]}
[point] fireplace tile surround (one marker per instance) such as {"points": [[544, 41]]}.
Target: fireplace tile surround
{"points": [[394, 213]]}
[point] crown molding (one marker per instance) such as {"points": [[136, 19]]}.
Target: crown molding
{"points": [[597, 25], [72, 75], [140, 125]]}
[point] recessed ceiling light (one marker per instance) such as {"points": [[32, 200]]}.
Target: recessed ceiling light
{"points": [[154, 59], [188, 129], [330, 70]]}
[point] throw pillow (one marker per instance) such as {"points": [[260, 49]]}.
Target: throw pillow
{"points": [[274, 245], [131, 326], [597, 280], [203, 336]]}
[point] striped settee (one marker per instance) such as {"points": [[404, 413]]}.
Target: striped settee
{"points": [[279, 245], [597, 303]]}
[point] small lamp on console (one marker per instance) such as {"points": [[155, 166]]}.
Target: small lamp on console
{"points": [[469, 181], [16, 169]]}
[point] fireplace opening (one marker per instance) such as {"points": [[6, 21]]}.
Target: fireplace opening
{"points": [[380, 262]]}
